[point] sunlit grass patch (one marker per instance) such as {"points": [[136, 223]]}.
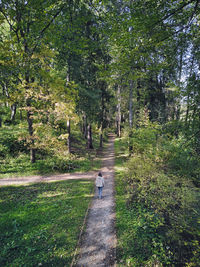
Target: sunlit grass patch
{"points": [[40, 223]]}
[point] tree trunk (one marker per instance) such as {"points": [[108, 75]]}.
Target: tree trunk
{"points": [[13, 112], [187, 111], [89, 137], [119, 111], [85, 127], [69, 136], [21, 117], [131, 104], [30, 129], [101, 137], [102, 115], [130, 116], [30, 122]]}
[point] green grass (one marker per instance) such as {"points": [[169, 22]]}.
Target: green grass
{"points": [[40, 223], [21, 165]]}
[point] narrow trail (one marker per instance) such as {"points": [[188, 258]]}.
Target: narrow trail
{"points": [[99, 240], [46, 178]]}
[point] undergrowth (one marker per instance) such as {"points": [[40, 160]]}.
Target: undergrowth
{"points": [[15, 159], [157, 201]]}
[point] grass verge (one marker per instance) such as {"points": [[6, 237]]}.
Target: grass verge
{"points": [[40, 223]]}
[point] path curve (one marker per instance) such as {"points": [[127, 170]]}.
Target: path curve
{"points": [[99, 240]]}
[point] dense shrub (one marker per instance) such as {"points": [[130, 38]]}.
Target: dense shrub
{"points": [[170, 205], [160, 213], [10, 142]]}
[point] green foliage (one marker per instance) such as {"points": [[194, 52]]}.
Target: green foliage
{"points": [[40, 223], [157, 202], [144, 139], [179, 157], [10, 142], [52, 153]]}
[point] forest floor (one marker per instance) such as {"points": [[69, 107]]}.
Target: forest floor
{"points": [[98, 243]]}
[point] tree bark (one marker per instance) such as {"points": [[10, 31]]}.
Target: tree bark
{"points": [[119, 117], [30, 129], [89, 137], [85, 127], [130, 116], [13, 112], [69, 136], [30, 122], [131, 104], [101, 137]]}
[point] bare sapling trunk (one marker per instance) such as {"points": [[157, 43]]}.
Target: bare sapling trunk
{"points": [[89, 137], [130, 116], [119, 117], [30, 123], [13, 112], [30, 129], [69, 136], [101, 137], [85, 127]]}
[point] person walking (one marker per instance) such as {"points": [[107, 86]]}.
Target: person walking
{"points": [[100, 184]]}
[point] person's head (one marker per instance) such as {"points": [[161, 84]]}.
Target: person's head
{"points": [[100, 174]]}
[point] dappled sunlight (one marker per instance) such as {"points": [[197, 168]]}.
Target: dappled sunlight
{"points": [[119, 168], [99, 241], [53, 194], [40, 222]]}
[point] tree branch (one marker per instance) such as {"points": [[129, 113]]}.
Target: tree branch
{"points": [[46, 27], [9, 23], [175, 11]]}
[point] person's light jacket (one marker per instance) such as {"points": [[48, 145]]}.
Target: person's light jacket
{"points": [[100, 181]]}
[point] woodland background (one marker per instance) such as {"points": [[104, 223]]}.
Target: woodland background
{"points": [[71, 71]]}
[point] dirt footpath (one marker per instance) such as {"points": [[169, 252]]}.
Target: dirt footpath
{"points": [[46, 178], [99, 240]]}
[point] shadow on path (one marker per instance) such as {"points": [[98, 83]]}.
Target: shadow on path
{"points": [[99, 240]]}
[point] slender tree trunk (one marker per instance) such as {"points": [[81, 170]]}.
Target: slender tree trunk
{"points": [[138, 87], [89, 137], [101, 136], [21, 117], [13, 112], [130, 116], [0, 122], [194, 117], [6, 93], [69, 136], [85, 127], [131, 104], [102, 115], [187, 110], [119, 117], [30, 123], [30, 129]]}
